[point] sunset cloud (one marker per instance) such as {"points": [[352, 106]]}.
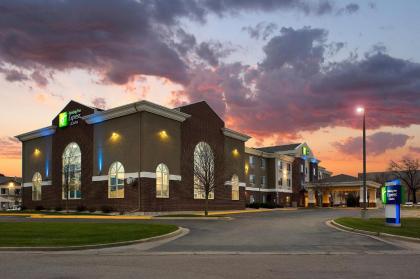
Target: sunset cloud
{"points": [[376, 144], [10, 148]]}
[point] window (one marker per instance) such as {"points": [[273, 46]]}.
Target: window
{"points": [[288, 182], [251, 199], [116, 181], [252, 160], [71, 172], [306, 171], [314, 171], [280, 182], [263, 180], [3, 191], [203, 170], [288, 167], [36, 186], [162, 181], [301, 168], [235, 187], [262, 163], [280, 164], [252, 178]]}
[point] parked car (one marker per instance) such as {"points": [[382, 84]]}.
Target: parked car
{"points": [[15, 208]]}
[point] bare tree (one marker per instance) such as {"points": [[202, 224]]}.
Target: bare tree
{"points": [[408, 171]]}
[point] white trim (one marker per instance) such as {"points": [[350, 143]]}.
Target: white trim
{"points": [[101, 116], [174, 177], [43, 183], [357, 183], [266, 190], [43, 132], [100, 178], [235, 135], [131, 174], [146, 174], [229, 183], [242, 184]]}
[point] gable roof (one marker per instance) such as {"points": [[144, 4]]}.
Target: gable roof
{"points": [[7, 179], [339, 178], [277, 148]]}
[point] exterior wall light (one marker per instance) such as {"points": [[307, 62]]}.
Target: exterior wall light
{"points": [[37, 152], [235, 152], [246, 169], [115, 136], [163, 135]]}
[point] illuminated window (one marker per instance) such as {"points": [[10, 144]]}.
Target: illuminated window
{"points": [[71, 172], [162, 181], [36, 186], [116, 181], [252, 178], [301, 168], [235, 187], [252, 160], [203, 170]]}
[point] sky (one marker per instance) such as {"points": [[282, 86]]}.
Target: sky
{"points": [[280, 71]]}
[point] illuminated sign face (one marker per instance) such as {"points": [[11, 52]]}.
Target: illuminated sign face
{"points": [[391, 193], [305, 150], [63, 119], [69, 118]]}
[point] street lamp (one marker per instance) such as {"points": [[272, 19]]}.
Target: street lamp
{"points": [[361, 110]]}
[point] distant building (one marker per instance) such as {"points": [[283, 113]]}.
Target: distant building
{"points": [[278, 174], [10, 192]]}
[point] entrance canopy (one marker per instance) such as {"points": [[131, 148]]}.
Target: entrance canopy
{"points": [[338, 190]]}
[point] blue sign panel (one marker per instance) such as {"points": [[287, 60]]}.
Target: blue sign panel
{"points": [[393, 194]]}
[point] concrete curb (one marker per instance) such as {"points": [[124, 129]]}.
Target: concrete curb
{"points": [[179, 231], [192, 218], [380, 234]]}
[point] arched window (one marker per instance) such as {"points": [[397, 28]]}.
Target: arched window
{"points": [[162, 181], [116, 181], [71, 172], [235, 187], [203, 170], [36, 186]]}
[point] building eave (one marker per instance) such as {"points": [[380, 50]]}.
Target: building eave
{"points": [[43, 132], [101, 116], [358, 183], [256, 152], [236, 135]]}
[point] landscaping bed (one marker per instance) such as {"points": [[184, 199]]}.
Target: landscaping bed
{"points": [[55, 234], [409, 226]]}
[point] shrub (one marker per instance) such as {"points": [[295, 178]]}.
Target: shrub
{"points": [[268, 205], [254, 205], [58, 208], [106, 209], [92, 209], [81, 208], [39, 208]]}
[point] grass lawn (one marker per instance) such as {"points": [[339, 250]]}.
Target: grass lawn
{"points": [[48, 234], [409, 226]]}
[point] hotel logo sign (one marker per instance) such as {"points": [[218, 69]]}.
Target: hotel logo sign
{"points": [[69, 118]]}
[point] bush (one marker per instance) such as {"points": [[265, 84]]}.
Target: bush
{"points": [[106, 209], [268, 205], [81, 208], [39, 208], [92, 209], [352, 200], [58, 208], [23, 207], [255, 205]]}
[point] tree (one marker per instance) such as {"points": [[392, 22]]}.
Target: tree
{"points": [[206, 169], [407, 170]]}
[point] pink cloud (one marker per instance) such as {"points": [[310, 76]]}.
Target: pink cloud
{"points": [[10, 148]]}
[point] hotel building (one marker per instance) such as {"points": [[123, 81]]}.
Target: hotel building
{"points": [[140, 157]]}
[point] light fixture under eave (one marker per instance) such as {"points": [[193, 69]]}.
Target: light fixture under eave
{"points": [[37, 152], [115, 136], [235, 152], [163, 134]]}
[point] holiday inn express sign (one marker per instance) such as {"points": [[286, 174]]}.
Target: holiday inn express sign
{"points": [[69, 118]]}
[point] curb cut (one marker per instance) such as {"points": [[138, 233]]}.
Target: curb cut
{"points": [[380, 234], [179, 231]]}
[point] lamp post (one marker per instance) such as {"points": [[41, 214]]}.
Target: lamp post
{"points": [[363, 212]]}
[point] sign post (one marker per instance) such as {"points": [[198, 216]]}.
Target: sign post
{"points": [[392, 198]]}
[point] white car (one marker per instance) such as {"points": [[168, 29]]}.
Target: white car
{"points": [[14, 208]]}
